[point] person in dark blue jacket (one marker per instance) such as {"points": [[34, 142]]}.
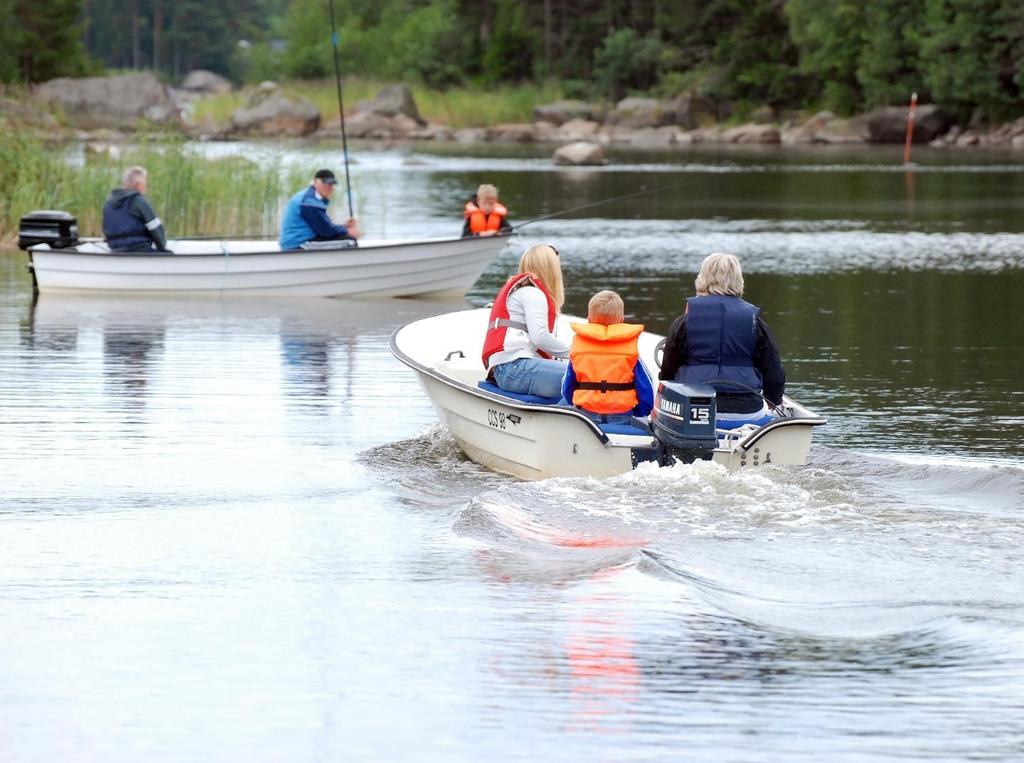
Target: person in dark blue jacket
{"points": [[129, 222], [721, 340], [305, 216]]}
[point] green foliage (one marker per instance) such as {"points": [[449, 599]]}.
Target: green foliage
{"points": [[626, 61], [44, 40], [430, 44], [510, 51], [970, 51], [756, 53]]}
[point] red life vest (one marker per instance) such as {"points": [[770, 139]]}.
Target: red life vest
{"points": [[479, 221], [603, 359], [498, 323]]}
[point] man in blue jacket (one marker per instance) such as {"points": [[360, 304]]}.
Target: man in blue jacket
{"points": [[305, 216]]}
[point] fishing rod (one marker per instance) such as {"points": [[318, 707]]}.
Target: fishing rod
{"points": [[641, 192], [341, 107]]}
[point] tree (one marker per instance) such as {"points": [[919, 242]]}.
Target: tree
{"points": [[627, 61], [48, 39]]}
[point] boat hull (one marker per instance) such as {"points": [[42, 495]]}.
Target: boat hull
{"points": [[436, 267], [537, 442]]}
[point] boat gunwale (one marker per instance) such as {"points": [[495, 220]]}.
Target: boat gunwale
{"points": [[482, 393], [47, 249]]}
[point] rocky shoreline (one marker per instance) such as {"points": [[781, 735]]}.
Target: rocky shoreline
{"points": [[109, 109]]}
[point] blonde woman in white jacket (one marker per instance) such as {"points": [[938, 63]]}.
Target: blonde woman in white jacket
{"points": [[521, 345]]}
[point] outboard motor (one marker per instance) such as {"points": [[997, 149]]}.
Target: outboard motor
{"points": [[48, 226], [683, 420]]}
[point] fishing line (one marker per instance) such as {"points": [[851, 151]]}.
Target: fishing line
{"points": [[598, 203]]}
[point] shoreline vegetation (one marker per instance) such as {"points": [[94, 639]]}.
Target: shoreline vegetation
{"points": [[208, 107], [200, 194]]}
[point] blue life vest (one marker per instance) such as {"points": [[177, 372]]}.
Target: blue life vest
{"points": [[123, 230], [721, 337]]}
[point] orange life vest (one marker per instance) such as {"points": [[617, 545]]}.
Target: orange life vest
{"points": [[603, 359], [479, 221], [498, 323]]}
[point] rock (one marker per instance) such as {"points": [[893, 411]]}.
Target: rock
{"points": [[560, 112], [471, 135], [118, 101], [204, 81], [752, 133], [839, 131], [433, 131], [512, 133], [577, 129], [654, 137], [969, 137], [808, 131], [270, 112], [693, 111], [642, 112], [579, 154], [889, 124], [390, 102]]}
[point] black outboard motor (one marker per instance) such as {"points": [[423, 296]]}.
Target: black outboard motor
{"points": [[48, 226], [683, 420]]}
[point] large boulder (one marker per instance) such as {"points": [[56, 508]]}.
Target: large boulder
{"points": [[270, 111], [390, 102], [206, 82], [118, 101], [889, 124], [692, 111], [642, 112], [560, 112], [579, 154]]}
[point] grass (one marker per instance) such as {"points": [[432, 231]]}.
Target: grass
{"points": [[193, 194], [468, 106]]}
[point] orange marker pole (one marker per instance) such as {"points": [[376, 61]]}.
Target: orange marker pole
{"points": [[910, 128]]}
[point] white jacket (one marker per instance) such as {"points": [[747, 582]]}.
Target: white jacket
{"points": [[528, 305]]}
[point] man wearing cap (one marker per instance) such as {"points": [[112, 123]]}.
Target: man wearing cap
{"points": [[305, 216]]}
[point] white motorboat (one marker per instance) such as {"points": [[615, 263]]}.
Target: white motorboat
{"points": [[376, 268], [532, 439]]}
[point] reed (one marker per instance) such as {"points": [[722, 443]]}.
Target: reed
{"points": [[193, 194]]}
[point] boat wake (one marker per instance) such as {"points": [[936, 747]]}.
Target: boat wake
{"points": [[850, 547]]}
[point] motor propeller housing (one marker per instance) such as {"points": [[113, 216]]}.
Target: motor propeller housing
{"points": [[683, 420]]}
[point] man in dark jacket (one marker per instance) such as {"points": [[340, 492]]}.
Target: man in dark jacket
{"points": [[129, 222]]}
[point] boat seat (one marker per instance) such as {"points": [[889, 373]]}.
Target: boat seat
{"points": [[532, 399], [625, 429], [759, 421]]}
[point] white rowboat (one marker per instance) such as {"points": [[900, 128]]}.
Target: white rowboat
{"points": [[382, 268], [535, 441]]}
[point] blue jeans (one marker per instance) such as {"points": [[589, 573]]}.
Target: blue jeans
{"points": [[608, 418], [531, 376]]}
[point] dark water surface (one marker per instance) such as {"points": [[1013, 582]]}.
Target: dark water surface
{"points": [[231, 529]]}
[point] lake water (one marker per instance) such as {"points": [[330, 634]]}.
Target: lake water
{"points": [[232, 530]]}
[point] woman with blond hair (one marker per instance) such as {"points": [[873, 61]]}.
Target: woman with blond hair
{"points": [[520, 345], [721, 340]]}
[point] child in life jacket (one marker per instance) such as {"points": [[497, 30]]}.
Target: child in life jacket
{"points": [[606, 378], [484, 215]]}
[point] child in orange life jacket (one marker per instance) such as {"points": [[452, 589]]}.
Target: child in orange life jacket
{"points": [[606, 378], [484, 214]]}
